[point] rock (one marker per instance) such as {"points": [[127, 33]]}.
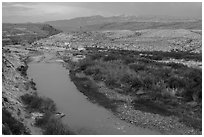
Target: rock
{"points": [[5, 99], [37, 115], [192, 104], [60, 114], [140, 92]]}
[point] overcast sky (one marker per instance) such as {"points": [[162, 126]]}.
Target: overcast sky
{"points": [[40, 12]]}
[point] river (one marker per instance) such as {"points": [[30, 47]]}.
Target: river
{"points": [[83, 117]]}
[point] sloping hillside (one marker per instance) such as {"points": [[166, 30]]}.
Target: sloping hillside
{"points": [[144, 25], [124, 23], [26, 33]]}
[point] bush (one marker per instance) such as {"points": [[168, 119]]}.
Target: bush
{"points": [[52, 125], [55, 127], [44, 120], [11, 125], [92, 70], [96, 56], [49, 123], [137, 67], [175, 82], [128, 60], [175, 65], [193, 82], [132, 80], [148, 81], [110, 81], [23, 70], [36, 103], [83, 64], [109, 58]]}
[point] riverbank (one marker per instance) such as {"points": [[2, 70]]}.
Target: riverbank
{"points": [[20, 101], [167, 114], [15, 83]]}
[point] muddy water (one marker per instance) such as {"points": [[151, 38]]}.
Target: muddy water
{"points": [[82, 116]]}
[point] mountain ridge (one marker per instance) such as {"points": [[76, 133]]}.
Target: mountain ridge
{"points": [[95, 22]]}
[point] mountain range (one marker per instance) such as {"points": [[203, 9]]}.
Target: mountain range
{"points": [[125, 23]]}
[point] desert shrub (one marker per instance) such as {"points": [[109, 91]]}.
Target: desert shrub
{"points": [[83, 64], [195, 74], [138, 66], [23, 70], [126, 78], [110, 81], [193, 84], [52, 126], [176, 82], [135, 83], [11, 125], [96, 56], [193, 92], [36, 103], [92, 70], [162, 73], [109, 57], [148, 81], [176, 65], [128, 60], [158, 90], [44, 120]]}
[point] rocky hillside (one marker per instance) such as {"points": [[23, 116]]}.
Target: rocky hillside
{"points": [[14, 84], [141, 40]]}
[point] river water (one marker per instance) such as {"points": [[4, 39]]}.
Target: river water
{"points": [[83, 117]]}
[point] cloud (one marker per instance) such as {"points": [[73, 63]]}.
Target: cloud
{"points": [[36, 12], [44, 11], [35, 9]]}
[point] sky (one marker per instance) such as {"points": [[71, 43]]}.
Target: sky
{"points": [[19, 12]]}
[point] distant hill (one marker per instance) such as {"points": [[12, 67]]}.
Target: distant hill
{"points": [[26, 32], [144, 25], [125, 22]]}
